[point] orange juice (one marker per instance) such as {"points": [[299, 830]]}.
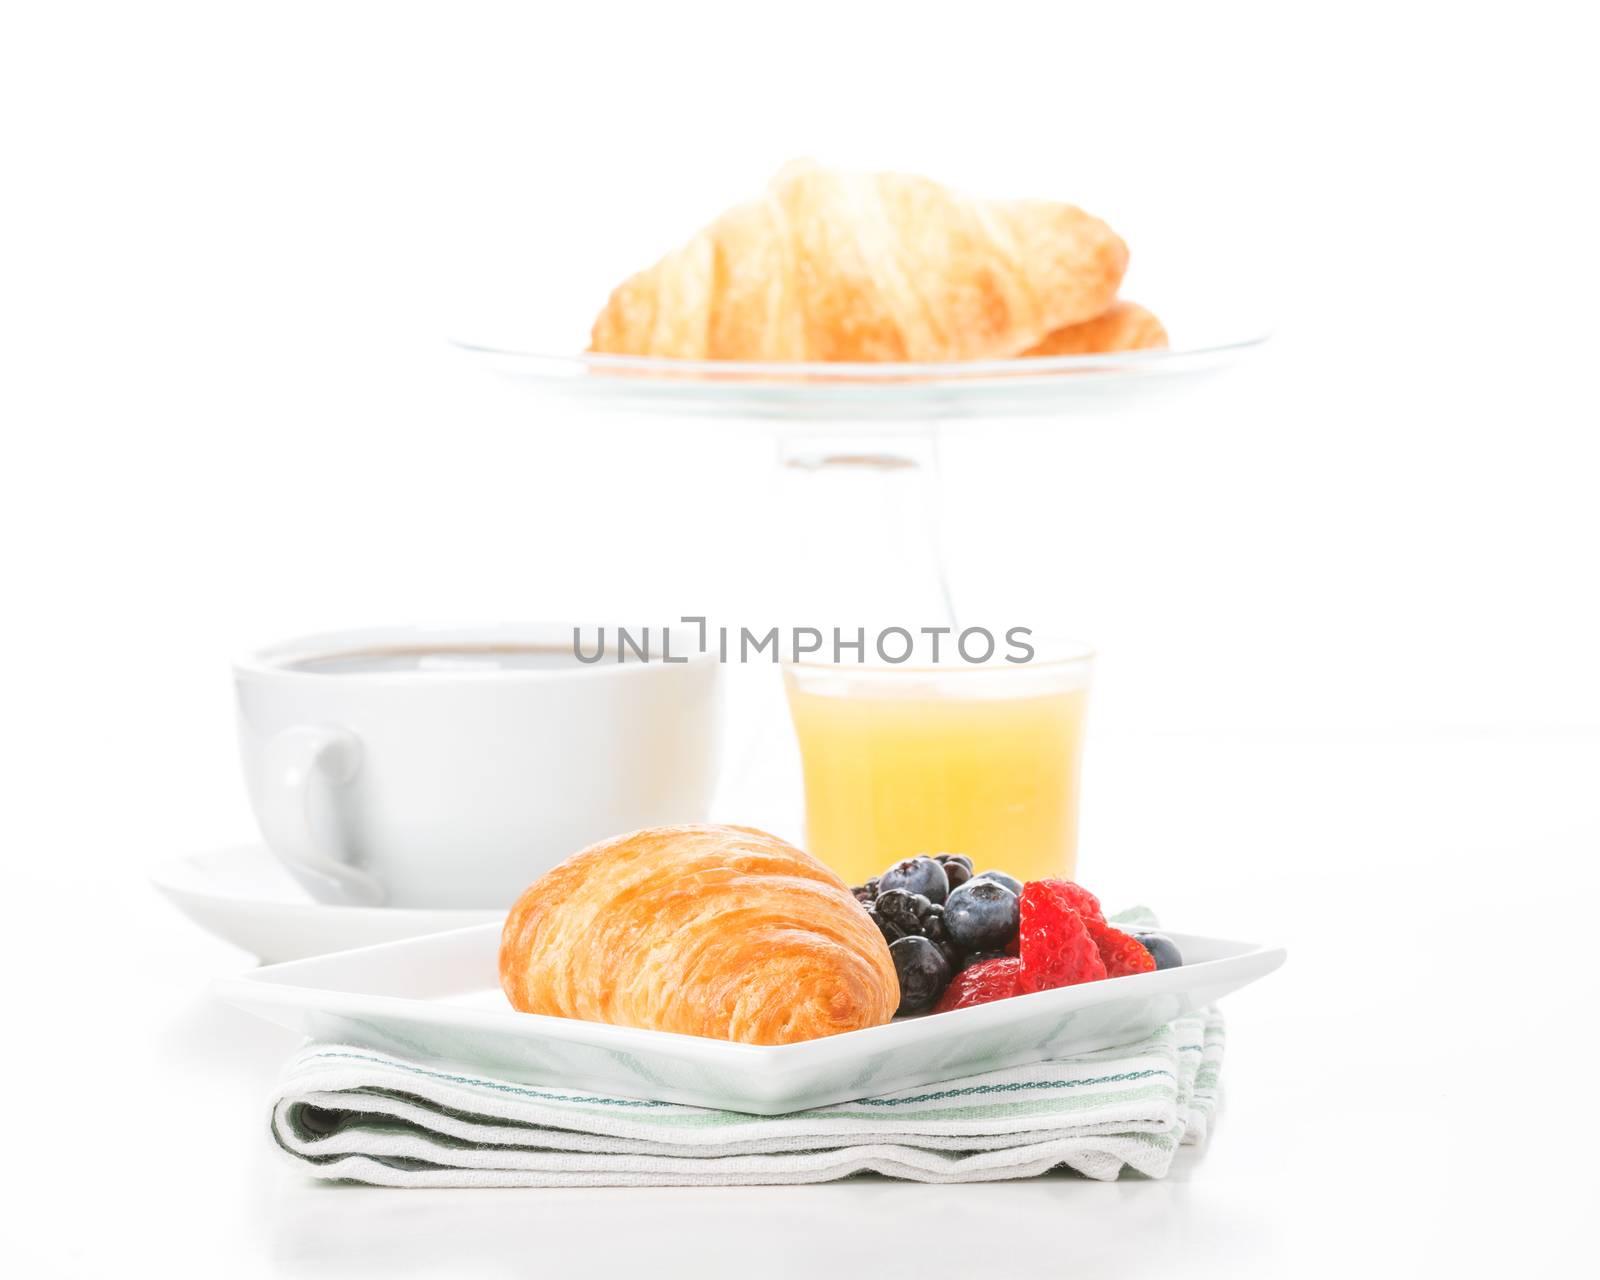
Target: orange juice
{"points": [[980, 761]]}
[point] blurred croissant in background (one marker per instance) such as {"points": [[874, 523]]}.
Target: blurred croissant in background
{"points": [[834, 265], [1123, 326]]}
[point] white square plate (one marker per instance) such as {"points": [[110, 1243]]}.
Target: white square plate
{"points": [[437, 999]]}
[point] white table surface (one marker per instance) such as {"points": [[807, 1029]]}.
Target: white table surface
{"points": [[1383, 1109]]}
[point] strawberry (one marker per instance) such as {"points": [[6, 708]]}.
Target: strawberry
{"points": [[1055, 946], [980, 983], [1121, 953], [1080, 899]]}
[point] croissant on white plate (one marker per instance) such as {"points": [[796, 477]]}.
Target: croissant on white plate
{"points": [[704, 930]]}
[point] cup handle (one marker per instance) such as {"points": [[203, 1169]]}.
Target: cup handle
{"points": [[302, 760]]}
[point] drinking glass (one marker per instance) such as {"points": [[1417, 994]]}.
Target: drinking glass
{"points": [[981, 759]]}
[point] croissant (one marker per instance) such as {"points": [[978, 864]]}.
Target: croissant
{"points": [[704, 930], [1124, 326], [834, 265]]}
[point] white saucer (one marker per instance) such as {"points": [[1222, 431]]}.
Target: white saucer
{"points": [[243, 895]]}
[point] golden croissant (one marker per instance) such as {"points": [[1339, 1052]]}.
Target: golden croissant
{"points": [[835, 265], [704, 930]]}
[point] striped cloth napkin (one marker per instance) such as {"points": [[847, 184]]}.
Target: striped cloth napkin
{"points": [[352, 1114]]}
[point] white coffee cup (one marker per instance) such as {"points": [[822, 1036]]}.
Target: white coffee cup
{"points": [[419, 767]]}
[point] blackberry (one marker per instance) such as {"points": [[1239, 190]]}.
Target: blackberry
{"points": [[866, 892], [935, 931], [909, 915], [901, 909], [890, 933]]}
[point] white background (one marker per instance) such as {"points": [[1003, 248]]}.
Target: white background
{"points": [[1345, 599]]}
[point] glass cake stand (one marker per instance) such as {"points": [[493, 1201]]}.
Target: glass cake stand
{"points": [[858, 447], [858, 444]]}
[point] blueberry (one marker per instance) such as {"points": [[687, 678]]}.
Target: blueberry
{"points": [[902, 910], [957, 868], [916, 875], [923, 972], [982, 915], [1002, 879], [1163, 950]]}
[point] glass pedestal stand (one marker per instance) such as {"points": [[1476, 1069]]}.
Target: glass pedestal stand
{"points": [[857, 537], [861, 532], [857, 560]]}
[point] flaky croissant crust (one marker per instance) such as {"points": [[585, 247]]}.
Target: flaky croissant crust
{"points": [[705, 930], [842, 266]]}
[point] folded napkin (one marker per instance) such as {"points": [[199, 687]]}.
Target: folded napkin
{"points": [[353, 1114]]}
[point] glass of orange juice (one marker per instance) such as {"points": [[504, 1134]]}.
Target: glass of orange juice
{"points": [[955, 758]]}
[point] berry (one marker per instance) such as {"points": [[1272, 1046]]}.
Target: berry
{"points": [[1163, 950], [981, 915], [978, 957], [916, 875], [901, 909], [866, 892], [1001, 878], [957, 868], [1055, 946], [923, 972], [980, 983], [935, 931], [1121, 953], [890, 933], [899, 914], [1082, 901]]}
